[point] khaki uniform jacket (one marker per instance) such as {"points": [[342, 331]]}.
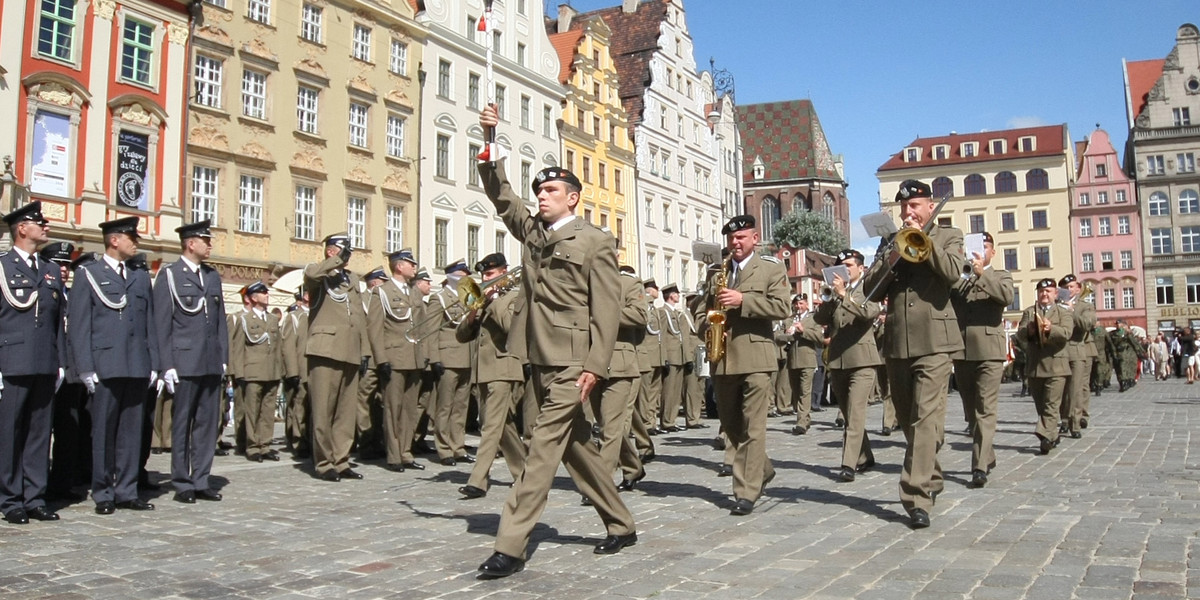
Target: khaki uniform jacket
{"points": [[650, 352], [392, 315], [1047, 360], [980, 303], [452, 353], [293, 333], [692, 340], [256, 353], [489, 332], [921, 319], [804, 346], [337, 324], [749, 329], [1081, 346], [851, 324], [672, 335], [632, 329], [571, 284]]}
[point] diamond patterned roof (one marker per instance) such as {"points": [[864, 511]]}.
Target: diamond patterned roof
{"points": [[788, 138]]}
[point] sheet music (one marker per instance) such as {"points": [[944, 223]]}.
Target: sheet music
{"points": [[839, 270], [878, 224], [972, 245]]}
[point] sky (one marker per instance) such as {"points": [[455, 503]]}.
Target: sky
{"points": [[882, 73]]}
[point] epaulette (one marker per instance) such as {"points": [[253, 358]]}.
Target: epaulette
{"points": [[772, 259]]}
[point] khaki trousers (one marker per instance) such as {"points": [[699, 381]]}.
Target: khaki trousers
{"points": [[259, 399], [641, 433], [742, 406], [297, 429], [672, 395], [853, 388], [783, 389], [648, 402], [801, 381], [1047, 395], [332, 386], [979, 384], [693, 407], [497, 407], [561, 435], [401, 412], [885, 391], [919, 391], [1076, 392], [369, 417], [615, 408], [450, 420]]}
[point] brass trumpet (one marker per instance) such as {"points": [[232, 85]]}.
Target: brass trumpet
{"points": [[826, 293], [471, 296]]}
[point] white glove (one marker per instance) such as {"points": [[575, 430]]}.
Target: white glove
{"points": [[224, 369], [89, 381], [153, 378], [158, 385], [57, 382], [171, 378]]}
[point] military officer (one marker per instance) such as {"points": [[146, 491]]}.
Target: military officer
{"points": [[649, 354], [807, 340], [427, 355], [1124, 351], [695, 367], [921, 337], [1046, 327], [31, 332], [336, 347], [256, 364], [756, 295], [572, 299], [673, 358], [189, 322], [71, 444], [614, 400], [370, 439], [1081, 351], [454, 368], [979, 301], [110, 333], [293, 333], [650, 396], [497, 374], [1102, 366], [890, 423]]}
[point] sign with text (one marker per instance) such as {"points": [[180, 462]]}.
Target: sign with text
{"points": [[133, 154]]}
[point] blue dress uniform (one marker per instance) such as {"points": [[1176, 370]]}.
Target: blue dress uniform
{"points": [[111, 330], [193, 342], [30, 336], [71, 445]]}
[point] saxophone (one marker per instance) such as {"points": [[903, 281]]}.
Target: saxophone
{"points": [[714, 337]]}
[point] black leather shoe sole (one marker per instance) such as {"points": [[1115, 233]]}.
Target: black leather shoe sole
{"points": [[135, 505], [41, 513], [208, 496], [978, 479], [628, 485], [331, 476], [185, 497], [414, 466], [742, 508], [613, 543], [17, 516], [846, 474]]}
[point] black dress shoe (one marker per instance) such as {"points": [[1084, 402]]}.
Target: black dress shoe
{"points": [[613, 543], [501, 565], [978, 478], [886, 431], [863, 468], [725, 471], [846, 474], [1062, 427], [628, 485], [17, 516], [585, 501], [1076, 435], [839, 423], [416, 466], [106, 507], [42, 513], [448, 462], [471, 492], [331, 476], [272, 455], [256, 458], [742, 507], [1045, 446], [647, 457], [394, 467], [137, 504], [186, 497], [349, 474], [919, 519], [718, 443], [466, 458], [798, 430], [208, 495], [220, 452], [1083, 422]]}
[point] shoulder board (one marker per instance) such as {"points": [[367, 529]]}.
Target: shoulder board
{"points": [[771, 259]]}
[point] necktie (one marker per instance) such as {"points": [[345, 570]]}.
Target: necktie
{"points": [[33, 263], [121, 270], [733, 276]]}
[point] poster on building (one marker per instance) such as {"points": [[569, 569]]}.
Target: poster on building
{"points": [[50, 170], [132, 159]]}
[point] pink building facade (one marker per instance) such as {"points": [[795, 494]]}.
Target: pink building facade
{"points": [[1107, 232]]}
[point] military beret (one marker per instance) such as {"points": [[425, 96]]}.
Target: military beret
{"points": [[404, 254], [27, 212], [555, 174], [458, 265], [494, 260], [1068, 278], [341, 240], [138, 262], [849, 253], [670, 289], [378, 273], [257, 287], [128, 225], [59, 252], [911, 188], [650, 283], [799, 297], [1046, 283], [987, 238], [197, 229], [738, 223], [423, 274]]}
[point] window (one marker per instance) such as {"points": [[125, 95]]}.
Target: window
{"points": [[649, 211], [1006, 183], [306, 212], [501, 109], [1164, 290], [524, 111], [617, 181], [1120, 196], [1189, 203], [56, 29], [442, 161], [1193, 289], [360, 45], [1126, 260], [473, 151], [1158, 205], [1039, 219], [620, 231], [1101, 170], [1016, 303], [1110, 298], [1105, 226], [204, 193], [398, 58], [358, 125], [975, 222], [473, 29], [1160, 240], [254, 94], [501, 239], [1101, 197], [473, 91], [1182, 116], [683, 221], [1085, 227], [1089, 262], [1027, 144], [939, 152], [137, 49], [668, 268], [526, 179], [1185, 162], [472, 244], [395, 136], [650, 261], [1037, 179], [1084, 199], [1010, 259], [1154, 165], [1189, 238], [394, 228], [310, 23], [1106, 261], [520, 54], [1041, 257], [975, 185], [942, 221], [547, 120], [942, 186], [306, 109], [250, 204], [207, 78], [496, 42], [602, 173], [441, 229], [968, 149], [666, 216], [997, 146], [356, 221], [570, 160], [443, 81], [259, 10], [1008, 221], [1127, 297]]}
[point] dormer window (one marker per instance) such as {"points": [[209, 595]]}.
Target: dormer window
{"points": [[941, 152], [997, 147], [1027, 143], [968, 149], [912, 154], [758, 171]]}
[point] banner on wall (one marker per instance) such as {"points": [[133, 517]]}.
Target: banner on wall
{"points": [[133, 151], [51, 167]]}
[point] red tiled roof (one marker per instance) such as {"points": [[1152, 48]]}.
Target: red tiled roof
{"points": [[565, 44], [787, 136], [1142, 75], [1050, 140], [634, 41]]}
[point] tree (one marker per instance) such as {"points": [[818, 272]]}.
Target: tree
{"points": [[809, 231]]}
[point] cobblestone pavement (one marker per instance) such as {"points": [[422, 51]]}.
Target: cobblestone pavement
{"points": [[1112, 515]]}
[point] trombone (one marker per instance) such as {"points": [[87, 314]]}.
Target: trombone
{"points": [[471, 296], [910, 244]]}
